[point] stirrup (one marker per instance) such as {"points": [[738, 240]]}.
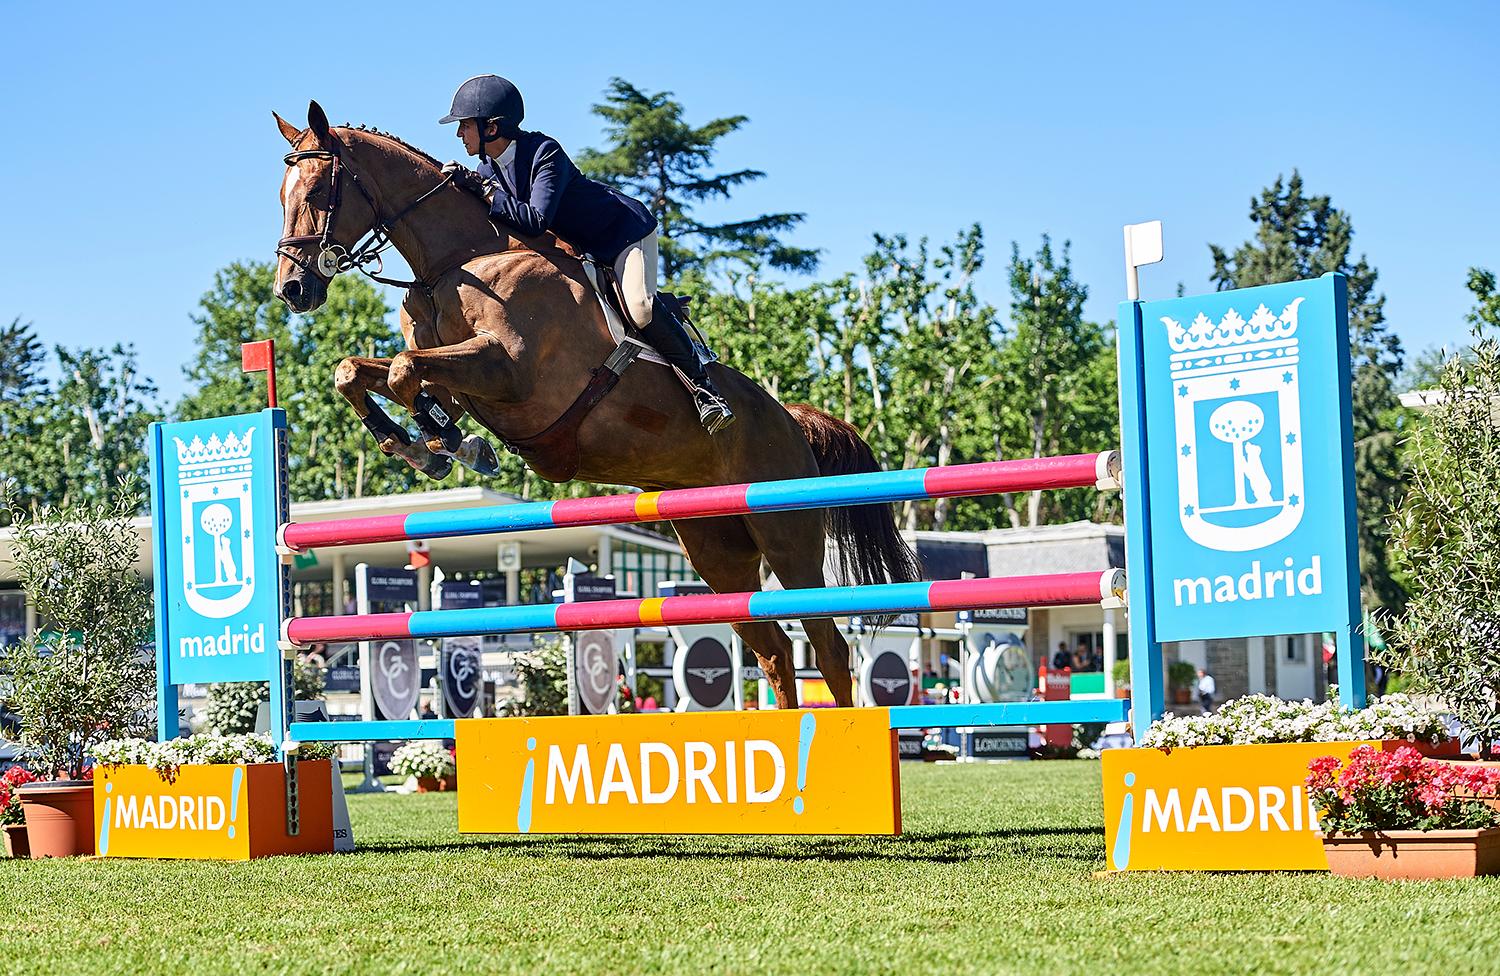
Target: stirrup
{"points": [[713, 410]]}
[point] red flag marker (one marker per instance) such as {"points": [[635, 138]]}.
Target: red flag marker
{"points": [[260, 357]]}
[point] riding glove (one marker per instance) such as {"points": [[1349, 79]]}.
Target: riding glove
{"points": [[466, 179]]}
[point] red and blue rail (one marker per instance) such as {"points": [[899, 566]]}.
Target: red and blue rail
{"points": [[876, 487]]}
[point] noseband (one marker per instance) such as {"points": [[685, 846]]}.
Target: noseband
{"points": [[332, 258]]}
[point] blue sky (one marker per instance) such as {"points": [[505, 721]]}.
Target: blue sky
{"points": [[141, 155]]}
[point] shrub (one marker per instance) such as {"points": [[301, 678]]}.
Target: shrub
{"points": [[231, 708], [92, 678], [1446, 540], [1181, 674], [423, 760], [543, 674]]}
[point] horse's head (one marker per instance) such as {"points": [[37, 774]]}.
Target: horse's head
{"points": [[322, 219]]}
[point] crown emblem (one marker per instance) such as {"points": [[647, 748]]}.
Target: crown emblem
{"points": [[214, 458], [1204, 346]]}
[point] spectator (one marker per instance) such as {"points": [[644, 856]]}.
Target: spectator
{"points": [[1206, 690], [1062, 659], [1082, 659]]}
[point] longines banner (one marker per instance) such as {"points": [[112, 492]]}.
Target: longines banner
{"points": [[1214, 808], [816, 771], [216, 542], [1247, 408]]}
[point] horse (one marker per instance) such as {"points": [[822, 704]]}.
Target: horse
{"points": [[508, 331]]}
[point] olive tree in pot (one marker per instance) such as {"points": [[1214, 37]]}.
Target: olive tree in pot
{"points": [[1446, 539], [88, 677]]}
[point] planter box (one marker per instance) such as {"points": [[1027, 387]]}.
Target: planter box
{"points": [[219, 812], [1216, 808], [1415, 853]]}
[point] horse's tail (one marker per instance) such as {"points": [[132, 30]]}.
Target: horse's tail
{"points": [[871, 550]]}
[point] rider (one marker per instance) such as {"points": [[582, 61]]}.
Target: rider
{"points": [[532, 187]]}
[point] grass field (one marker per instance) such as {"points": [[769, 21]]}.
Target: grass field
{"points": [[997, 873]]}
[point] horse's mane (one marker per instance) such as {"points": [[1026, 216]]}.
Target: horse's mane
{"points": [[369, 130]]}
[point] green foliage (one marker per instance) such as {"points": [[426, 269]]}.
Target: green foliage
{"points": [[1055, 389], [1181, 674], [543, 676], [88, 679], [661, 160], [1446, 536], [1299, 236], [1122, 673], [231, 707]]}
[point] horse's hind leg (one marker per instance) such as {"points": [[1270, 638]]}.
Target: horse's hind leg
{"points": [[355, 379], [794, 549], [723, 553]]}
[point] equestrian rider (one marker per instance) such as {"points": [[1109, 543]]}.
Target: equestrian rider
{"points": [[532, 187]]}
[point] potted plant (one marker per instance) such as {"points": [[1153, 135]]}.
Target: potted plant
{"points": [[87, 678], [1446, 539], [1180, 678], [12, 820], [1400, 815], [428, 763], [1122, 679], [209, 796]]}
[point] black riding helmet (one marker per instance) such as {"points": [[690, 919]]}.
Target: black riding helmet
{"points": [[489, 98]]}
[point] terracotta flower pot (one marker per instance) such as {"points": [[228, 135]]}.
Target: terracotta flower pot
{"points": [[1414, 853], [59, 817], [427, 784], [15, 841], [448, 783], [1182, 696]]}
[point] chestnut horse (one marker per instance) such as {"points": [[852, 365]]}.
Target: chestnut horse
{"points": [[508, 331]]}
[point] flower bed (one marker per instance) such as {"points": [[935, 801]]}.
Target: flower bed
{"points": [[1258, 719], [426, 762]]}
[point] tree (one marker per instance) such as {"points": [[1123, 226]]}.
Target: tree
{"points": [[1299, 236], [658, 158], [23, 393], [92, 426], [1055, 390]]}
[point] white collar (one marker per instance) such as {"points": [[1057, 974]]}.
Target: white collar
{"points": [[505, 158]]}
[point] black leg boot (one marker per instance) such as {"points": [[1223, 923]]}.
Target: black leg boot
{"points": [[669, 337]]}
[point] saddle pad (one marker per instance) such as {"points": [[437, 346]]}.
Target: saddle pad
{"points": [[612, 317]]}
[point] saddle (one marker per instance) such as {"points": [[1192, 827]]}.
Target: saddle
{"points": [[611, 299]]}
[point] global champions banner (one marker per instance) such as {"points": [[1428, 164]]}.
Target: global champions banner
{"points": [[1249, 461], [216, 541]]}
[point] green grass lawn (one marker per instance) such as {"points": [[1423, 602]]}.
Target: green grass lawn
{"points": [[997, 873]]}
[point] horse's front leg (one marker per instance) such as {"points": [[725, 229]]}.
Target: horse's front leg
{"points": [[355, 379], [469, 367]]}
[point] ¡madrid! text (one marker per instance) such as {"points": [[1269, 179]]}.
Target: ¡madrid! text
{"points": [[750, 772]]}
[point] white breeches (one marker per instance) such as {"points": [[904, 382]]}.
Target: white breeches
{"points": [[636, 269]]}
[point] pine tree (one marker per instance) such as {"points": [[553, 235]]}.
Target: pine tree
{"points": [[661, 160], [1299, 236]]}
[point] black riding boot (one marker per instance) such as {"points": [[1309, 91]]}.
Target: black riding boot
{"points": [[669, 337]]}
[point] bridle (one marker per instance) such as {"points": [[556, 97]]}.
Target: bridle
{"points": [[332, 258]]}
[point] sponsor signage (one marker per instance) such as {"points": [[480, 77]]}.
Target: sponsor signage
{"points": [[219, 812], [885, 679], [1248, 431], [596, 669], [1214, 808], [461, 674], [395, 679], [390, 586], [215, 541], [456, 596], [768, 772], [910, 744], [999, 742], [996, 615], [704, 674], [586, 588]]}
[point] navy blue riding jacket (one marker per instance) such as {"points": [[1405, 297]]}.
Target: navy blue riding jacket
{"points": [[541, 189]]}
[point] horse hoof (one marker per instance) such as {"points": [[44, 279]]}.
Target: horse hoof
{"points": [[477, 455], [437, 467]]}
